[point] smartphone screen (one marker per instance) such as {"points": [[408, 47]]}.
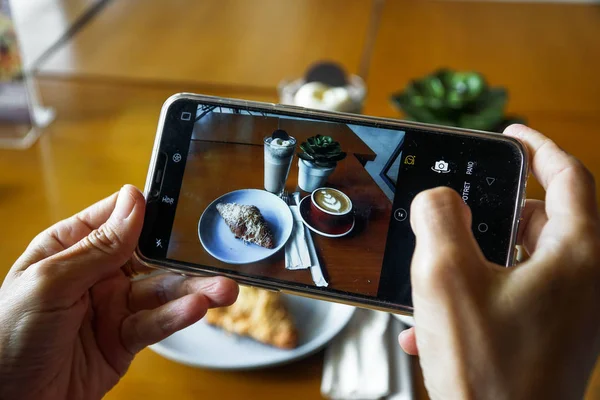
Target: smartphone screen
{"points": [[350, 239]]}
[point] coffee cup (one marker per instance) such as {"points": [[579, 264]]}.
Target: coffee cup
{"points": [[330, 209]]}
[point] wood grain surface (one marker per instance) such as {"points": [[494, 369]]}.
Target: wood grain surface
{"points": [[227, 42], [107, 84]]}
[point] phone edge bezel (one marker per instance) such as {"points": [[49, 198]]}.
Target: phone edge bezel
{"points": [[300, 111]]}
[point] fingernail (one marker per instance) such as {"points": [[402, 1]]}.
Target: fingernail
{"points": [[403, 333], [125, 204]]}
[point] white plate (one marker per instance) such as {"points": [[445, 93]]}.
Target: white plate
{"points": [[219, 242], [201, 345]]}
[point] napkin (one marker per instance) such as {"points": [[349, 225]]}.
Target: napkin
{"points": [[365, 361], [300, 251]]}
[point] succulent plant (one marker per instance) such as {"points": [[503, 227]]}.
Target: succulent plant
{"points": [[447, 97], [323, 151]]}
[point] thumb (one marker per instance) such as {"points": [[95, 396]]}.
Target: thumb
{"points": [[444, 256], [445, 244], [449, 279], [105, 249]]}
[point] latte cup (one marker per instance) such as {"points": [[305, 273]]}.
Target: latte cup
{"points": [[331, 210]]}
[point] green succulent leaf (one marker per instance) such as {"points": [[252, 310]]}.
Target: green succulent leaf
{"points": [[305, 146], [321, 150], [453, 98], [415, 111], [306, 156], [488, 113]]}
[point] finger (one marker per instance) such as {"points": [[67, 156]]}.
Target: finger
{"points": [[408, 342], [103, 251], [66, 233], [150, 293], [442, 226], [150, 326], [534, 219], [439, 216], [447, 259], [570, 188]]}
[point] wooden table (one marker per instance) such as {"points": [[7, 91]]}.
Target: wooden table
{"points": [[107, 84], [225, 43]]}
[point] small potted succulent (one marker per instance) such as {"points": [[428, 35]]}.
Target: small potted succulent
{"points": [[318, 159], [455, 98]]}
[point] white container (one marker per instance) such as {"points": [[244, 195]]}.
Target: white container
{"points": [[357, 90], [311, 177]]}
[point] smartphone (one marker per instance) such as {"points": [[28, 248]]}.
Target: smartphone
{"points": [[231, 190]]}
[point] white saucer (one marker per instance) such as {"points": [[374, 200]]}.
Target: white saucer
{"points": [[304, 208]]}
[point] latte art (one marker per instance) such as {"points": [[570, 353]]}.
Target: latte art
{"points": [[332, 200]]}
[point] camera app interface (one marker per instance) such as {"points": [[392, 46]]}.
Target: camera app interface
{"points": [[323, 204]]}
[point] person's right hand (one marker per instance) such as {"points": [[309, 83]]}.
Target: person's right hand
{"points": [[530, 332]]}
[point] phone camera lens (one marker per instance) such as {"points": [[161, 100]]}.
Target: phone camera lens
{"points": [[154, 193]]}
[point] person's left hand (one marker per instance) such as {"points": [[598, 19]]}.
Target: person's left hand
{"points": [[71, 321]]}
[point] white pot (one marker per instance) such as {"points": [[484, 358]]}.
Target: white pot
{"points": [[311, 177]]}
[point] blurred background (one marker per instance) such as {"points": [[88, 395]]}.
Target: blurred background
{"points": [[106, 66]]}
